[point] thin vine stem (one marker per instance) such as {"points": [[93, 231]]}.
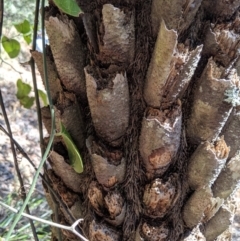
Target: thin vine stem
{"points": [[25, 155], [3, 61], [45, 155], [23, 191], [31, 190], [33, 71]]}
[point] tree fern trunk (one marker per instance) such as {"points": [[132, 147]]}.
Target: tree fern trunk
{"points": [[149, 92]]}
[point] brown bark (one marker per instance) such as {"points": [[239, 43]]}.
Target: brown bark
{"points": [[143, 83]]}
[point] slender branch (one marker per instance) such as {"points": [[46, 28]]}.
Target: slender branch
{"points": [[32, 64], [3, 61], [18, 216], [71, 228], [47, 85], [23, 191], [36, 18], [25, 155], [20, 149], [44, 56]]}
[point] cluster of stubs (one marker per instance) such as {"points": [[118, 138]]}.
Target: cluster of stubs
{"points": [[159, 135]]}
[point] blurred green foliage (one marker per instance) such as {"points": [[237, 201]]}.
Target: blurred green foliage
{"points": [[17, 28]]}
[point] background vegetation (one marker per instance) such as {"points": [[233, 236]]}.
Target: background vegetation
{"points": [[11, 70]]}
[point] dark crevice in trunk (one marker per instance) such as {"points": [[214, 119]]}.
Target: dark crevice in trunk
{"points": [[116, 167], [135, 179]]}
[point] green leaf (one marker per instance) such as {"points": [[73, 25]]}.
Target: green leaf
{"points": [[23, 27], [28, 38], [69, 7], [43, 96], [27, 101], [11, 46], [74, 156], [23, 89]]}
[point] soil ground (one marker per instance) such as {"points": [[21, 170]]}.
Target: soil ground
{"points": [[24, 128]]}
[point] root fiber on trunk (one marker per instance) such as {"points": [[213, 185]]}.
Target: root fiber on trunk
{"points": [[149, 93]]}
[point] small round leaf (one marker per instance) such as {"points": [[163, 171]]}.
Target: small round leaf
{"points": [[27, 101], [23, 27], [23, 89], [11, 46], [28, 38]]}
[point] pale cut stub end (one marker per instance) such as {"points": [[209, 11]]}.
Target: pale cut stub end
{"points": [[196, 235], [109, 106], [219, 223], [200, 207], [102, 231], [148, 232], [160, 139], [160, 65], [160, 196], [229, 179], [209, 110], [109, 166], [69, 57], [206, 163], [116, 35]]}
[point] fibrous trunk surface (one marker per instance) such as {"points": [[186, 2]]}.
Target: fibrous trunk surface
{"points": [[149, 92]]}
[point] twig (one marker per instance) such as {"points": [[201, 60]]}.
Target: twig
{"points": [[47, 82], [18, 216], [71, 228], [23, 191], [20, 73], [40, 126], [25, 155], [53, 194], [32, 64], [20, 149]]}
